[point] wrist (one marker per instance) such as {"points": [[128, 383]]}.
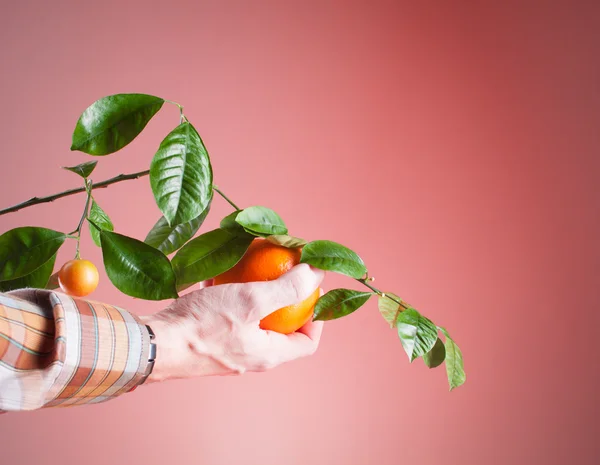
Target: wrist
{"points": [[181, 351]]}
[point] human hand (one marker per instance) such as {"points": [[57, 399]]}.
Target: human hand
{"points": [[215, 330]]}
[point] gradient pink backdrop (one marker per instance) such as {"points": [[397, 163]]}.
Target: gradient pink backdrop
{"points": [[454, 145]]}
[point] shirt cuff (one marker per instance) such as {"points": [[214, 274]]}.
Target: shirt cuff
{"points": [[100, 352]]}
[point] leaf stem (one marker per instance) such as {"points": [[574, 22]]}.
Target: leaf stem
{"points": [[216, 189], [174, 103], [182, 117]]}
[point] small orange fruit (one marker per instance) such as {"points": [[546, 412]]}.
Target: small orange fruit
{"points": [[265, 261], [78, 277]]}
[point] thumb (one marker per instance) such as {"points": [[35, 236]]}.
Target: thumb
{"points": [[293, 287]]}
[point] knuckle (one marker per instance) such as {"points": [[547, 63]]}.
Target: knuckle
{"points": [[293, 288], [243, 293], [248, 296]]}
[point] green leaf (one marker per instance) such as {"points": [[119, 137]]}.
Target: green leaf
{"points": [[261, 220], [390, 309], [24, 250], [168, 239], [284, 240], [417, 333], [436, 356], [181, 175], [338, 303], [331, 256], [112, 122], [454, 362], [37, 279], [53, 282], [84, 169], [183, 287], [209, 255], [137, 269], [253, 233], [101, 220], [230, 225]]}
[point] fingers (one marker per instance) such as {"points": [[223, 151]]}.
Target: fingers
{"points": [[293, 287], [302, 343], [313, 330]]}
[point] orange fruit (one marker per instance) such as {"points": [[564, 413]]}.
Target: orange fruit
{"points": [[265, 261], [78, 277]]}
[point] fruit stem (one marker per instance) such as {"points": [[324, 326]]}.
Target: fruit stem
{"points": [[88, 189], [216, 189]]}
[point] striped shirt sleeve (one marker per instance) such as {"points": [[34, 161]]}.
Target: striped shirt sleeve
{"points": [[57, 351]]}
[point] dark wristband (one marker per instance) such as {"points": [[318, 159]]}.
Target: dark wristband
{"points": [[151, 355]]}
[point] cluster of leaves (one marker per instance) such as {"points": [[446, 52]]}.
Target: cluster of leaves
{"points": [[181, 179]]}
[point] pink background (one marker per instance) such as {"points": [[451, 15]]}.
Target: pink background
{"points": [[454, 146]]}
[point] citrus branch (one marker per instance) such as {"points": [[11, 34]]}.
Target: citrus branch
{"points": [[140, 174]]}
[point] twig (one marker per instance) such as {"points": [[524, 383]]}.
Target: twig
{"points": [[78, 190], [365, 282], [99, 185]]}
